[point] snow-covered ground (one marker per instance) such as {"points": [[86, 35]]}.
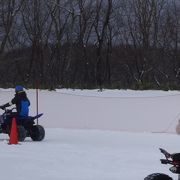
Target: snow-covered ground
{"points": [[81, 143]]}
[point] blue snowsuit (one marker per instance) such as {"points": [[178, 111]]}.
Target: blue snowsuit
{"points": [[22, 106]]}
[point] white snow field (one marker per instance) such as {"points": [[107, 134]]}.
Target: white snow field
{"points": [[92, 135]]}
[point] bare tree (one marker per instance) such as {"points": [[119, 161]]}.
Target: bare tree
{"points": [[9, 10], [37, 24], [102, 17], [140, 30]]}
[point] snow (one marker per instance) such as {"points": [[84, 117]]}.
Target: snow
{"points": [[92, 135]]}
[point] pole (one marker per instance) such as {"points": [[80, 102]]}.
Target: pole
{"points": [[37, 100]]}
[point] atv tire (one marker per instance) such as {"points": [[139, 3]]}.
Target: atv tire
{"points": [[21, 131], [37, 133], [158, 176]]}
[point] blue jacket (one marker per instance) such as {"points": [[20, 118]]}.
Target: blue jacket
{"points": [[22, 103]]}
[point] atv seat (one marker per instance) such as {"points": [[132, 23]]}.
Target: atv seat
{"points": [[27, 121], [29, 117], [35, 117]]}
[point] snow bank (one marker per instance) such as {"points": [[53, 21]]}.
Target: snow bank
{"points": [[127, 110]]}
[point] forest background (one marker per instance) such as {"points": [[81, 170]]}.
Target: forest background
{"points": [[123, 44]]}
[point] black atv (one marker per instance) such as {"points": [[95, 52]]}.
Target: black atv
{"points": [[25, 127], [173, 159]]}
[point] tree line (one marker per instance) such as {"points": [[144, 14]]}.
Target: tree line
{"points": [[90, 43]]}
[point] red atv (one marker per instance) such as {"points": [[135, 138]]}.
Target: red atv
{"points": [[174, 160]]}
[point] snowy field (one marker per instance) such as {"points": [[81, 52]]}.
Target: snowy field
{"points": [[91, 135]]}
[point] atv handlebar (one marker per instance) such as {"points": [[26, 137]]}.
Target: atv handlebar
{"points": [[9, 110], [166, 154], [173, 159], [166, 161]]}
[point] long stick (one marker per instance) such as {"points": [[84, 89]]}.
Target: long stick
{"points": [[37, 99]]}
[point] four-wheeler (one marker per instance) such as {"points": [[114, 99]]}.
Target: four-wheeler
{"points": [[26, 127], [174, 160]]}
